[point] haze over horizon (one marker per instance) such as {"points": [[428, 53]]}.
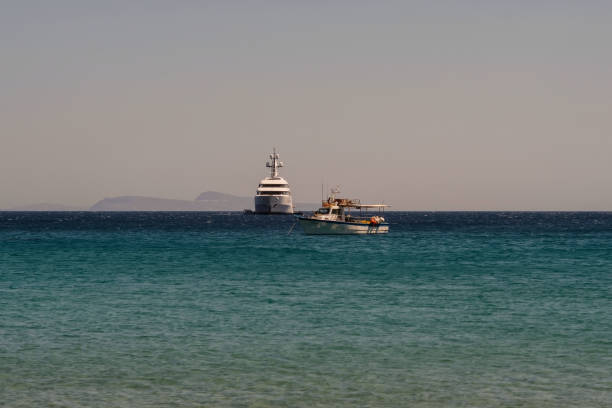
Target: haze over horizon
{"points": [[424, 105]]}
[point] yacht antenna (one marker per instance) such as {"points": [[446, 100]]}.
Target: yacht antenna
{"points": [[274, 164]]}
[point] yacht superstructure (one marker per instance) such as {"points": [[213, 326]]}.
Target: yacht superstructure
{"points": [[273, 193]]}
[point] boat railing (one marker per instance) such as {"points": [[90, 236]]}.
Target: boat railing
{"points": [[364, 220]]}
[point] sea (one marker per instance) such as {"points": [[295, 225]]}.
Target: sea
{"points": [[203, 309]]}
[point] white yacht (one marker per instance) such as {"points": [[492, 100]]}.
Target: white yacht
{"points": [[334, 217], [273, 194]]}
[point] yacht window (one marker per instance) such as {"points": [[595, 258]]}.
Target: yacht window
{"points": [[272, 193], [323, 211], [336, 211]]}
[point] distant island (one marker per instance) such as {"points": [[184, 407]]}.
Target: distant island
{"points": [[207, 201]]}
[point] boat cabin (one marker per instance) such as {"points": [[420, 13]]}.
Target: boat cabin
{"points": [[330, 213]]}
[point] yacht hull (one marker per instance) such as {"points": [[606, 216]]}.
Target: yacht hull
{"points": [[273, 204], [326, 227]]}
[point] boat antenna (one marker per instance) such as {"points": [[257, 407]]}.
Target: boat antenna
{"points": [[322, 194], [274, 164]]}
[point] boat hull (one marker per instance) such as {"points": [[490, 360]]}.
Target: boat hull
{"points": [[273, 204], [325, 227]]}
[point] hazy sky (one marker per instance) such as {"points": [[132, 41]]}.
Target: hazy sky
{"points": [[427, 105]]}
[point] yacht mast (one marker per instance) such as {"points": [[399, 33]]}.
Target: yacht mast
{"points": [[274, 164]]}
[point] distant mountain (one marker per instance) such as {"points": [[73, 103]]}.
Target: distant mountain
{"points": [[46, 207], [207, 201]]}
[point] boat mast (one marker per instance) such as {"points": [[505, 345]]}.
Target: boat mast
{"points": [[274, 164]]}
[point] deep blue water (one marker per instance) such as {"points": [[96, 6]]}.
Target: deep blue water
{"points": [[227, 310]]}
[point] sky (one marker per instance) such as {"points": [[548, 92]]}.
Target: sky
{"points": [[425, 105]]}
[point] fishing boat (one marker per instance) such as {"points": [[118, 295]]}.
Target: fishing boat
{"points": [[335, 217]]}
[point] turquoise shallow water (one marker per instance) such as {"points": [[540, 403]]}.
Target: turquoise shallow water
{"points": [[226, 310]]}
